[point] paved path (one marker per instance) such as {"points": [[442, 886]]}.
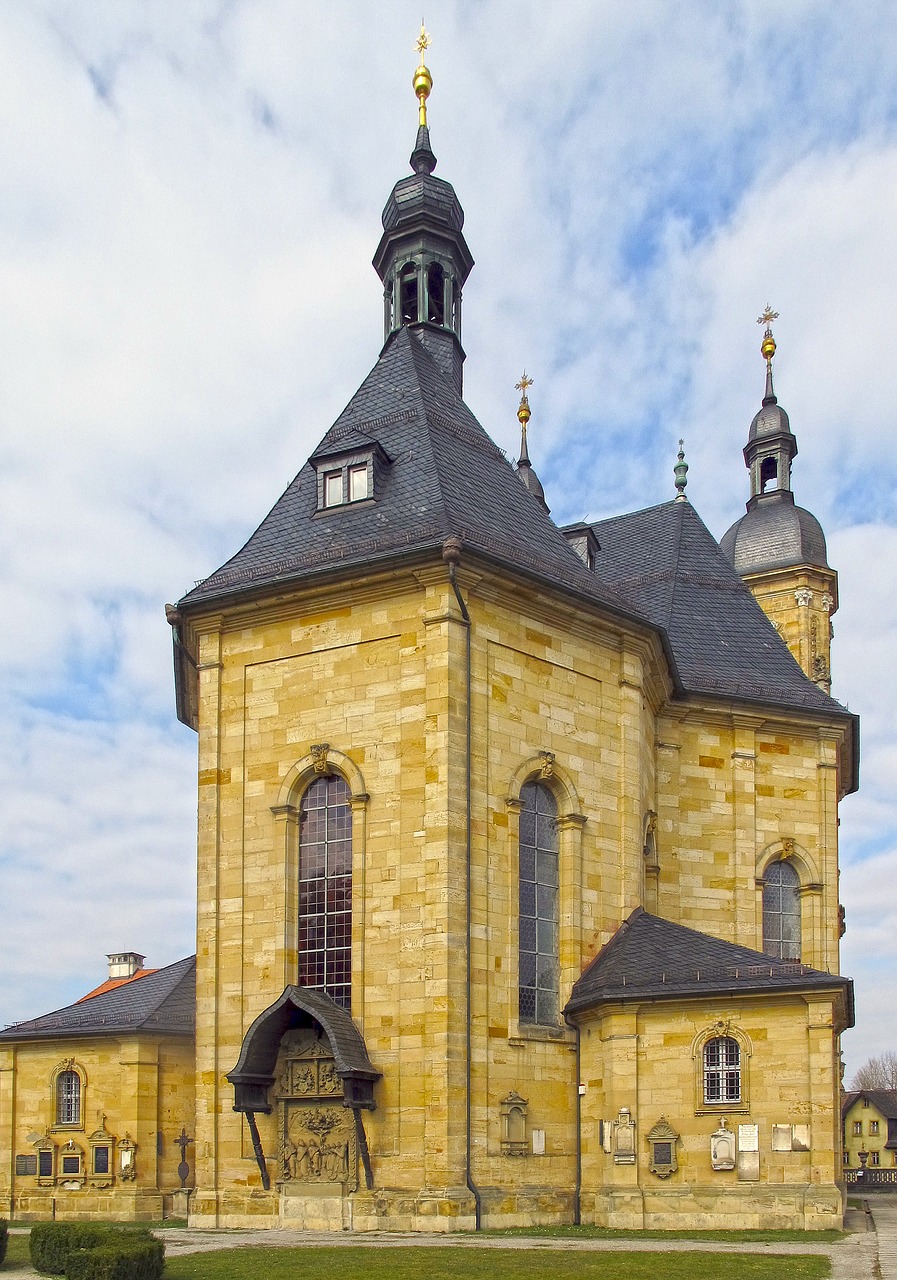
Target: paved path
{"points": [[868, 1253]]}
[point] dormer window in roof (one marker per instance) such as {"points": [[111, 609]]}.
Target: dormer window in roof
{"points": [[347, 479]]}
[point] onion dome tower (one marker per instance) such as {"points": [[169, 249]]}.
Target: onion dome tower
{"points": [[779, 547], [524, 466], [423, 258]]}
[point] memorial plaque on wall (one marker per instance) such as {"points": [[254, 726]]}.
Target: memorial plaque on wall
{"points": [[781, 1137], [26, 1166], [748, 1166], [748, 1137]]}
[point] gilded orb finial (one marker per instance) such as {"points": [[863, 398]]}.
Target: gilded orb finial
{"points": [[423, 81], [523, 412], [768, 345], [680, 471]]}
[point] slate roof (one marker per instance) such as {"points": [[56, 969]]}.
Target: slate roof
{"points": [[164, 1001], [670, 567], [774, 534], [885, 1100], [651, 958], [446, 477]]}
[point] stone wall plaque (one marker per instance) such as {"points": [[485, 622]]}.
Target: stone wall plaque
{"points": [[26, 1166], [781, 1137], [749, 1166], [748, 1137]]}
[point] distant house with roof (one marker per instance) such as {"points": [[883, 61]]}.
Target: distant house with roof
{"points": [[870, 1127]]}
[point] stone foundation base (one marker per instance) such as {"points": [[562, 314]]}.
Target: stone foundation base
{"points": [[752, 1206], [87, 1205]]}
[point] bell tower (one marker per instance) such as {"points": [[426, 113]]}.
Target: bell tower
{"points": [[423, 258], [778, 547]]}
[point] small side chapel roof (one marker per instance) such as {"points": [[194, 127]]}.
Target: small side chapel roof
{"points": [[162, 1001], [652, 958], [445, 477]]}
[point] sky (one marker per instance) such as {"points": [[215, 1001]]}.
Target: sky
{"points": [[190, 201]]}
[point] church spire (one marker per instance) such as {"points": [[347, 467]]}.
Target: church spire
{"points": [[524, 466], [771, 445], [423, 258]]}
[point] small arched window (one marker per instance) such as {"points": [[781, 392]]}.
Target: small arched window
{"points": [[435, 293], [781, 911], [325, 889], [722, 1070], [408, 293], [538, 973], [68, 1098]]}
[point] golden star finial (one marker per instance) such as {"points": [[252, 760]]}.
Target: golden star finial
{"points": [[523, 384], [423, 81], [768, 345]]}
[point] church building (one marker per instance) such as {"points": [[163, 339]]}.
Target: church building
{"points": [[517, 846]]}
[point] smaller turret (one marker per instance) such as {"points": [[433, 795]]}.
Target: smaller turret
{"points": [[778, 547], [524, 466]]}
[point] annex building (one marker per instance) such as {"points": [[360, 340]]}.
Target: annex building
{"points": [[517, 847]]}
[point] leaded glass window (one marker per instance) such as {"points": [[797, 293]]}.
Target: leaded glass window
{"points": [[722, 1070], [538, 977], [325, 889], [781, 911], [68, 1098]]}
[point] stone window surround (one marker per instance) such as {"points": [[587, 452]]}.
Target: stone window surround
{"points": [[75, 1126], [722, 1027], [321, 759], [811, 887], [570, 821]]}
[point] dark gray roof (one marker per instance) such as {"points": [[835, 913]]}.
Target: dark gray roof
{"points": [[651, 958], [771, 420], [773, 535], [885, 1100], [672, 570], [446, 477], [163, 1001]]}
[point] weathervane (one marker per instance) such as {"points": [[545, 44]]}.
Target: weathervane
{"points": [[423, 81]]}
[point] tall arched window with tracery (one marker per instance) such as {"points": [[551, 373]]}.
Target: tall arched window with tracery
{"points": [[325, 889], [538, 971], [781, 911]]}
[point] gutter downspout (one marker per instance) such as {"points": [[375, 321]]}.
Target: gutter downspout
{"points": [[577, 1191], [451, 554]]}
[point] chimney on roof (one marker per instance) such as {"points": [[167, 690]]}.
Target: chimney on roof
{"points": [[124, 964]]}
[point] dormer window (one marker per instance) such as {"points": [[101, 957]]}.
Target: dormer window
{"points": [[349, 478]]}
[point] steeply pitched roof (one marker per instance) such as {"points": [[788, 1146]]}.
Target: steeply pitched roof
{"points": [[164, 1001], [651, 958], [884, 1100], [446, 477], [671, 568]]}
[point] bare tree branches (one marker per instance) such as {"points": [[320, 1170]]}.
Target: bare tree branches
{"points": [[877, 1073]]}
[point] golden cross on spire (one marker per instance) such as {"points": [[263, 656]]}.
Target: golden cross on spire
{"points": [[768, 316], [523, 384], [423, 41]]}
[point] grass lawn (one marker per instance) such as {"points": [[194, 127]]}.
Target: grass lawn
{"points": [[446, 1263], [16, 1253], [727, 1237]]}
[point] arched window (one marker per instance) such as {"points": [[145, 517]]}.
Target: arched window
{"points": [[325, 889], [68, 1098], [435, 293], [781, 911], [408, 293], [769, 474], [722, 1070], [538, 974]]}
